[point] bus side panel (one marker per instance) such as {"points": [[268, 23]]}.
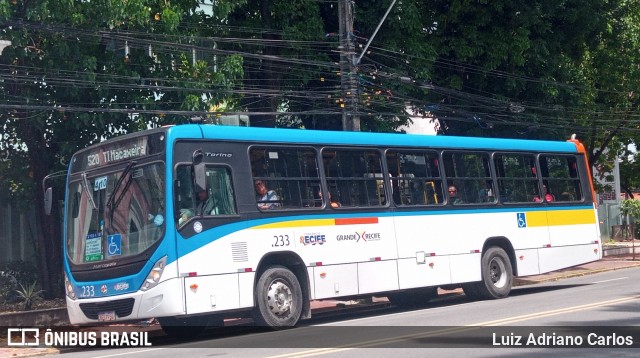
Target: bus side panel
{"points": [[572, 227], [463, 267], [335, 280], [527, 262], [377, 276], [423, 271], [245, 285], [211, 293], [555, 258]]}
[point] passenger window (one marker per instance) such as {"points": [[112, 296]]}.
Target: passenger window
{"points": [[355, 177], [285, 177], [560, 177], [517, 177], [415, 178], [470, 174]]}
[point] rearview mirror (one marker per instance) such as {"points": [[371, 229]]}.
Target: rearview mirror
{"points": [[199, 176]]}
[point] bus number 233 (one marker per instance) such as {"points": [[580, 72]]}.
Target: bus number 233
{"points": [[281, 240]]}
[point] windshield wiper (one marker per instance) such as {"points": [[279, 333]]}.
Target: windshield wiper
{"points": [[125, 174], [85, 186]]}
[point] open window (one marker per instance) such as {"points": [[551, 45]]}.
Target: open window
{"points": [[285, 177]]}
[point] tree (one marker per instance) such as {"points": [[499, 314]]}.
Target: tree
{"points": [[630, 208], [80, 72]]}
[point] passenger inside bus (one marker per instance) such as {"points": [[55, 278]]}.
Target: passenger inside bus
{"points": [[206, 204], [267, 199], [453, 195], [547, 195], [332, 201]]}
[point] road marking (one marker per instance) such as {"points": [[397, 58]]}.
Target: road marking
{"points": [[613, 279], [134, 352], [500, 322], [504, 321]]}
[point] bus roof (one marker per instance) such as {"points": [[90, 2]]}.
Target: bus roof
{"points": [[298, 136]]}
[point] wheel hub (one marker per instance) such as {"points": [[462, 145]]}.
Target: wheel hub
{"points": [[497, 272], [279, 298]]}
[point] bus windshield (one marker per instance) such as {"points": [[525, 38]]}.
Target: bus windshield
{"points": [[116, 214]]}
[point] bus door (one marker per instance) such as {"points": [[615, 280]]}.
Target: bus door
{"points": [[205, 204]]}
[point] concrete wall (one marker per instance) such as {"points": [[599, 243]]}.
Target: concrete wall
{"points": [[37, 318]]}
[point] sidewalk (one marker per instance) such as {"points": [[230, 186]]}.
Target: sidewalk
{"points": [[608, 263]]}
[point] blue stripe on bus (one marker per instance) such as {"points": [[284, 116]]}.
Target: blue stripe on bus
{"points": [[297, 136]]}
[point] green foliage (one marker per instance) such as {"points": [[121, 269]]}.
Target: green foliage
{"points": [[8, 285], [12, 275], [77, 72], [29, 295], [630, 207], [22, 271]]}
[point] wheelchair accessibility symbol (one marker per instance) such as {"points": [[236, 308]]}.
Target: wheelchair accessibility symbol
{"points": [[114, 245], [522, 220]]}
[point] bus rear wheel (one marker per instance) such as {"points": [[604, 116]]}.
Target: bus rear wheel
{"points": [[278, 298], [497, 276]]}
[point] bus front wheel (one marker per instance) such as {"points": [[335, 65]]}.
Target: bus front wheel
{"points": [[497, 276], [278, 298]]}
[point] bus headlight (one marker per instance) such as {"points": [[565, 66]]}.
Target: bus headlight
{"points": [[68, 288], [154, 276]]}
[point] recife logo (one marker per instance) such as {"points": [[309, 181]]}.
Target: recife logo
{"points": [[312, 239]]}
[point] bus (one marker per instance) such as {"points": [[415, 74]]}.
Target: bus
{"points": [[194, 224]]}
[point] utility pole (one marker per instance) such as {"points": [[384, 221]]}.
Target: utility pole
{"points": [[349, 64], [348, 70]]}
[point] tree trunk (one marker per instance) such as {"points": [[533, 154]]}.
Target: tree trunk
{"points": [[48, 239]]}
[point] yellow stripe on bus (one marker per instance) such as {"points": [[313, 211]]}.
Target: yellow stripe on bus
{"points": [[319, 222], [297, 223], [560, 217]]}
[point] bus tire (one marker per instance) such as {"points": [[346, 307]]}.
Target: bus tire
{"points": [[497, 276], [278, 298], [416, 297]]}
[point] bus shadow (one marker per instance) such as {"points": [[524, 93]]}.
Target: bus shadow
{"points": [[527, 290]]}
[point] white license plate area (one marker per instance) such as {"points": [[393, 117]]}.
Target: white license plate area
{"points": [[107, 316]]}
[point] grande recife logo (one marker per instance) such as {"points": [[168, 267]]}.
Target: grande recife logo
{"points": [[360, 236]]}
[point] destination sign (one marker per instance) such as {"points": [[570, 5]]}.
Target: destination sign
{"points": [[103, 157], [107, 153]]}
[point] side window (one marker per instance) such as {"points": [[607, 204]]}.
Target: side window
{"points": [[218, 199], [354, 177], [415, 177], [469, 178], [285, 177], [517, 177], [560, 177]]}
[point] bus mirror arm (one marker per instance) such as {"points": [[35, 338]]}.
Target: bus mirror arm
{"points": [[48, 200]]}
